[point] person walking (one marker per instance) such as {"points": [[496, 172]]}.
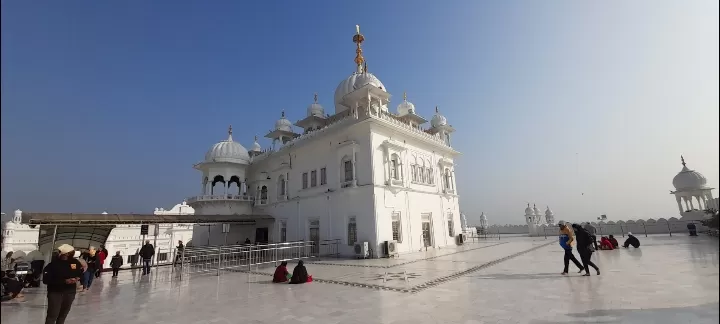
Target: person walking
{"points": [[584, 247], [147, 252], [566, 242], [61, 276], [91, 258], [179, 252], [102, 254], [593, 234], [115, 263]]}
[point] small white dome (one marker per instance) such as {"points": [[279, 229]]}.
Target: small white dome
{"points": [[688, 179], [315, 109], [529, 211], [438, 120], [256, 146], [228, 151], [548, 212], [283, 124], [353, 82], [536, 211], [405, 107]]}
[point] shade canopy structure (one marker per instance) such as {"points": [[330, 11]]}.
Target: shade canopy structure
{"points": [[135, 219]]}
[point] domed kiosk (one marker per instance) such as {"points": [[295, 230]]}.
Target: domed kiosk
{"points": [[691, 185]]}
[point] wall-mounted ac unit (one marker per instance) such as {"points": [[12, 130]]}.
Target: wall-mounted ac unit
{"points": [[362, 249], [391, 248]]}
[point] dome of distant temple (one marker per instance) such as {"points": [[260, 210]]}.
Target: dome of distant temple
{"points": [[315, 109]]}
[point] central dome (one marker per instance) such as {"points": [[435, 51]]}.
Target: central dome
{"points": [[355, 81], [228, 151], [689, 180]]}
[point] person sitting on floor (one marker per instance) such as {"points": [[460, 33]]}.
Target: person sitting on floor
{"points": [[631, 240], [614, 242], [300, 274], [605, 243], [12, 287], [281, 273]]}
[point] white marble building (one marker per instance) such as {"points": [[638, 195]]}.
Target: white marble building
{"points": [[692, 194], [536, 223], [123, 238], [361, 174]]}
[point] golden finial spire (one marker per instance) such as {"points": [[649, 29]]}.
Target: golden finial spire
{"points": [[404, 95], [682, 159], [255, 138], [315, 97], [282, 114], [358, 39], [230, 133], [438, 111]]}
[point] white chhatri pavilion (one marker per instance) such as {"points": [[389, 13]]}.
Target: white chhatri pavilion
{"points": [[689, 185]]}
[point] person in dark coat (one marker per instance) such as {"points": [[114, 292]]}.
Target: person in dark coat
{"points": [[146, 253], [281, 273], [631, 240], [61, 276], [179, 253], [115, 263], [692, 229], [614, 242], [300, 274], [584, 246]]}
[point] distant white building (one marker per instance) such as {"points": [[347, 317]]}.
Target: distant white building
{"points": [[123, 238], [691, 189], [536, 223], [362, 174]]}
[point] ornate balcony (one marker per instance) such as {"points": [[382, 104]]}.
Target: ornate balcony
{"points": [[194, 199]]}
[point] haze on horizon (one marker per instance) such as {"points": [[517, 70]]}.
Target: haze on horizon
{"points": [[582, 106]]}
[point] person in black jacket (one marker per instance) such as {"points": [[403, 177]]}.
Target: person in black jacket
{"points": [[631, 240], [115, 263], [179, 253], [584, 245], [146, 253], [61, 276]]}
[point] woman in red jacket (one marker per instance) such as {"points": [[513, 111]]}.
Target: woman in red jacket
{"points": [[102, 255]]}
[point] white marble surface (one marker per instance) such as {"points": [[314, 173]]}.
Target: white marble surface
{"points": [[667, 280]]}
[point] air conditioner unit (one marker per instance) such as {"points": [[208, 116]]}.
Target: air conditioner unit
{"points": [[391, 248], [362, 249]]}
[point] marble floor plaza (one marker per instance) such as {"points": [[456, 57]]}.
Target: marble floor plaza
{"points": [[511, 280]]}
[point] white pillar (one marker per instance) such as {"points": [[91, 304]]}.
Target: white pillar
{"points": [[679, 202], [701, 202], [692, 206]]}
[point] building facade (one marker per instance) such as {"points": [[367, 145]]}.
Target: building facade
{"points": [[363, 174], [123, 238]]}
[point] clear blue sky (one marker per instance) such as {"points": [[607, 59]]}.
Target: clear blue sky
{"points": [[107, 104]]}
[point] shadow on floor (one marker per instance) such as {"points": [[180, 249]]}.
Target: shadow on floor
{"points": [[706, 313]]}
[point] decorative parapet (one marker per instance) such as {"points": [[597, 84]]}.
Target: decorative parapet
{"points": [[397, 121], [191, 200]]}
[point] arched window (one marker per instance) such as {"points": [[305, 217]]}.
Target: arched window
{"points": [[281, 186], [421, 172], [219, 190], [413, 170], [347, 167], [263, 195], [448, 179], [431, 176], [236, 189], [395, 167]]}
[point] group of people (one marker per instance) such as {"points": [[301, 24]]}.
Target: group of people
{"points": [[298, 276], [585, 241]]}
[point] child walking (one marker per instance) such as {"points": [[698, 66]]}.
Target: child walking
{"points": [[115, 263]]}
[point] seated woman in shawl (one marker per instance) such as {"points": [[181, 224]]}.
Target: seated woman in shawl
{"points": [[300, 274], [605, 244], [614, 241], [281, 273]]}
